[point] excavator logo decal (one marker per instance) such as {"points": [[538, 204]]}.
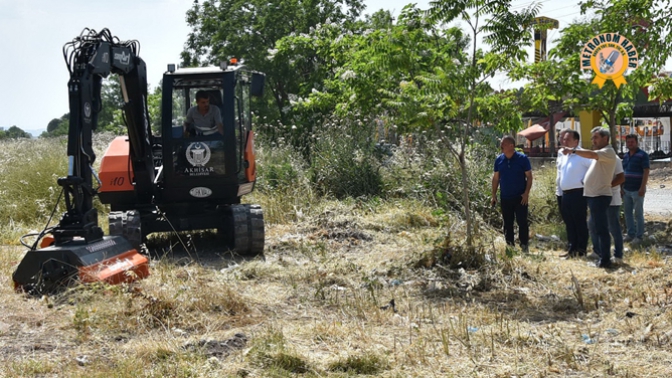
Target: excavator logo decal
{"points": [[198, 154], [122, 57], [200, 192], [87, 109]]}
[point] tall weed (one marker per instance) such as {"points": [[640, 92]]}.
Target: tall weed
{"points": [[283, 188], [29, 169], [423, 168], [343, 159]]}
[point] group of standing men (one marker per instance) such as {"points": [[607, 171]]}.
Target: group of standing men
{"points": [[586, 179]]}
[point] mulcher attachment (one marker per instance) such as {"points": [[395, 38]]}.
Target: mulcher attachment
{"points": [[112, 260]]}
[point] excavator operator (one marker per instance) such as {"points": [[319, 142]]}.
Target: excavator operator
{"points": [[203, 119]]}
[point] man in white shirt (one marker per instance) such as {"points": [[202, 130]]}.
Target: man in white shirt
{"points": [[574, 206], [597, 189], [558, 164], [203, 119]]}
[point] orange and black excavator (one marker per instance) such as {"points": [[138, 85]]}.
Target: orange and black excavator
{"points": [[174, 181]]}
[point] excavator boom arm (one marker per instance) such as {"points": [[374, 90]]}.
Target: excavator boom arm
{"points": [[91, 57]]}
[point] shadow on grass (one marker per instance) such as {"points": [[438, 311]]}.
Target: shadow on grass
{"points": [[508, 288], [204, 248], [546, 308]]}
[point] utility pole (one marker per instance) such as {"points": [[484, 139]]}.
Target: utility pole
{"points": [[541, 26]]}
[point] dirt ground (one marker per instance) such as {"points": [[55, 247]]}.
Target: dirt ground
{"points": [[321, 298]]}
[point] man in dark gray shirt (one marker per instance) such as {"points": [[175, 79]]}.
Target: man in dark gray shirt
{"points": [[204, 119]]}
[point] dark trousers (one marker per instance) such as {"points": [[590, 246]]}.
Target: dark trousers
{"points": [[599, 222], [574, 212], [559, 204], [513, 209], [613, 213]]}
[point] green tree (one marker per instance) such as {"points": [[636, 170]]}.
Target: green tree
{"points": [[249, 29], [468, 100], [414, 74], [57, 127], [645, 23], [53, 125], [14, 132], [154, 108], [112, 102], [366, 72]]}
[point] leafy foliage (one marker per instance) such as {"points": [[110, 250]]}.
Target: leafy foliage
{"points": [[643, 22], [343, 162], [14, 133], [251, 29]]}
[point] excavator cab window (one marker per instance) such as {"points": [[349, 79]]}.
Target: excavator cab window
{"points": [[243, 118], [180, 107], [196, 154]]}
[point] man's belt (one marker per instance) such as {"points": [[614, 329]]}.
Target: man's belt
{"points": [[572, 190]]}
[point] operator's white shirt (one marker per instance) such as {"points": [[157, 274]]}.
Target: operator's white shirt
{"points": [[204, 123]]}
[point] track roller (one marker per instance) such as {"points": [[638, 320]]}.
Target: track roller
{"points": [[128, 225], [247, 222]]}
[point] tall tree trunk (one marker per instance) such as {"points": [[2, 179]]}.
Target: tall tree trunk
{"points": [[465, 199], [612, 130]]}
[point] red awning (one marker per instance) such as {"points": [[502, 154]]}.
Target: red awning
{"points": [[533, 132]]}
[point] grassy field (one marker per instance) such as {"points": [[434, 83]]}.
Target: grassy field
{"points": [[318, 303]]}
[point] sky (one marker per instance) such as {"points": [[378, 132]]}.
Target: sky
{"points": [[33, 73]]}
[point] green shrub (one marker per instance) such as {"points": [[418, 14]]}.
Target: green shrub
{"points": [[423, 168], [367, 363], [344, 160], [283, 188]]}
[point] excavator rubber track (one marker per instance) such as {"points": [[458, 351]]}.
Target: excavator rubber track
{"points": [[127, 224], [248, 229]]}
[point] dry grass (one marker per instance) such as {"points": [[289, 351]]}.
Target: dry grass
{"points": [[319, 303], [312, 308]]}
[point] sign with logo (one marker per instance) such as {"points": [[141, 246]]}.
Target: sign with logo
{"points": [[609, 55], [198, 155], [200, 192], [122, 57]]}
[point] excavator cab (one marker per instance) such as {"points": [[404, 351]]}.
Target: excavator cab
{"points": [[200, 177]]}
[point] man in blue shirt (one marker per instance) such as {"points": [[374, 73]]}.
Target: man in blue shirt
{"points": [[636, 167], [513, 175]]}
